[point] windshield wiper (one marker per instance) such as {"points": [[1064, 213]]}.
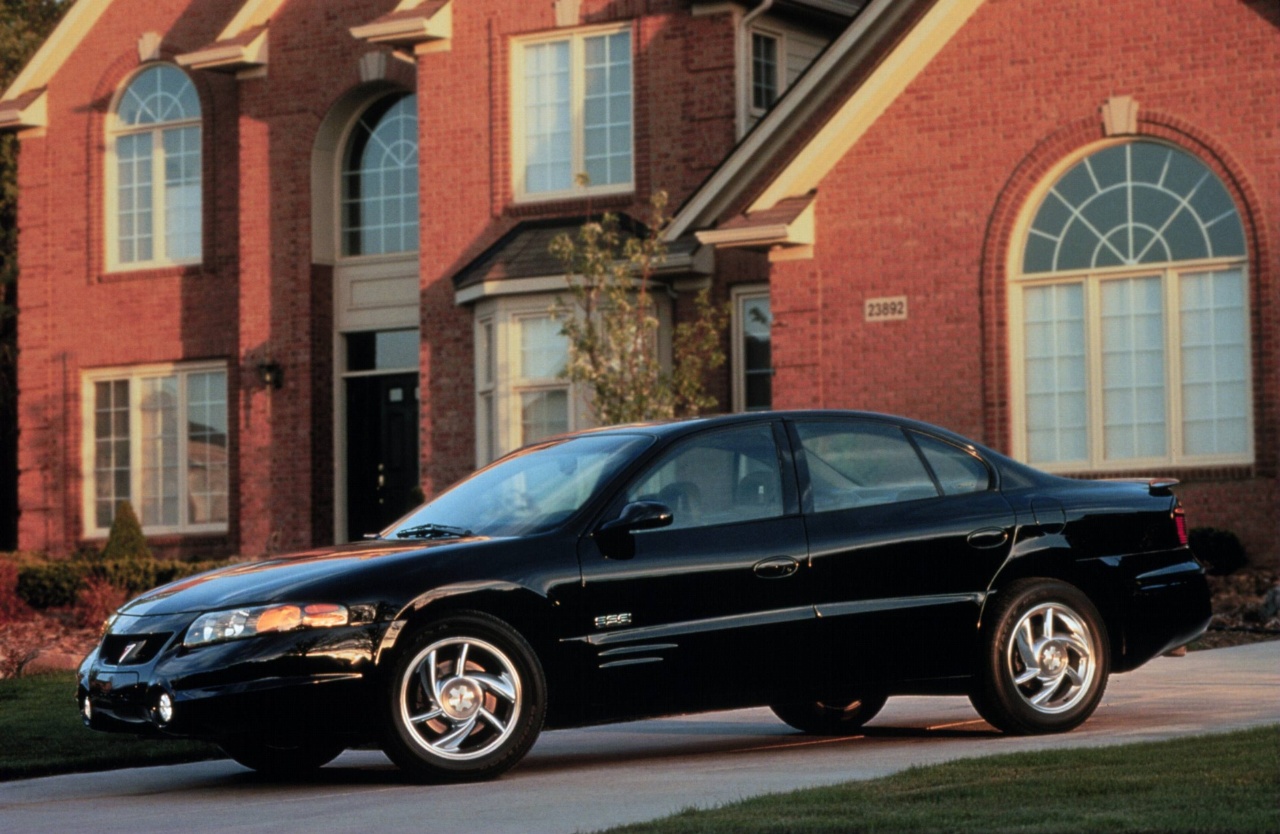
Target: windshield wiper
{"points": [[432, 531]]}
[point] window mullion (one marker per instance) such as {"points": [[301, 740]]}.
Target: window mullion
{"points": [[159, 198], [183, 429], [577, 106], [1093, 372], [1173, 362]]}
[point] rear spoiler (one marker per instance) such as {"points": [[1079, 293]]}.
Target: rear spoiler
{"points": [[1155, 486]]}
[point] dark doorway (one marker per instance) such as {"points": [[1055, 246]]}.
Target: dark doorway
{"points": [[382, 451]]}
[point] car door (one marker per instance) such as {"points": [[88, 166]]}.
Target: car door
{"points": [[707, 611], [906, 531]]}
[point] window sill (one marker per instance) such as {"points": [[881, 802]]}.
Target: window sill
{"points": [[146, 273]]}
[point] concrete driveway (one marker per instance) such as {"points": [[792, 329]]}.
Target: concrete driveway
{"points": [[582, 780]]}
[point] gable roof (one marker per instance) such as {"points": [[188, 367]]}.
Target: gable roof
{"points": [[22, 105], [826, 111]]}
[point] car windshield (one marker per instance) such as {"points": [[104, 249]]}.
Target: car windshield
{"points": [[529, 491]]}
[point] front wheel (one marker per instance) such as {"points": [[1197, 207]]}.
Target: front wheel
{"points": [[1045, 659], [830, 718], [465, 700]]}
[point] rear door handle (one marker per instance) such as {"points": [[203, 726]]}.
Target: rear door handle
{"points": [[776, 568], [988, 537]]}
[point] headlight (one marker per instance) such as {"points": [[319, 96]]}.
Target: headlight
{"points": [[217, 626]]}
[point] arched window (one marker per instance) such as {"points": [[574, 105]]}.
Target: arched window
{"points": [[380, 180], [1130, 317], [154, 211]]}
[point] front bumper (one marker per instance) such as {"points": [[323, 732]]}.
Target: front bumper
{"points": [[307, 682]]}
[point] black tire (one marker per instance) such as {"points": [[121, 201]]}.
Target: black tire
{"points": [[831, 719], [282, 759], [445, 724], [1045, 659]]}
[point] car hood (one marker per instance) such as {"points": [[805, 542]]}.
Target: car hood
{"points": [[281, 578]]}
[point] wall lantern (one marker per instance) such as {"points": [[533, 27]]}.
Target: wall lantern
{"points": [[270, 374]]}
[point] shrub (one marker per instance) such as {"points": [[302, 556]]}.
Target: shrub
{"points": [[1219, 550], [12, 607], [97, 600], [51, 584], [125, 541], [58, 584]]}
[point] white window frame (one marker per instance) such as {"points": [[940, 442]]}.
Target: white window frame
{"points": [[779, 39], [114, 131], [135, 376], [577, 86], [741, 295], [1170, 276]]}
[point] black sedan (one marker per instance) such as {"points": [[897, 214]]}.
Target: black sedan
{"points": [[814, 562]]}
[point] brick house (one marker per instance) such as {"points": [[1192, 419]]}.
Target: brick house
{"points": [[283, 261]]}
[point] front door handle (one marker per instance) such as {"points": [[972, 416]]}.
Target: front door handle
{"points": [[776, 568], [988, 537]]}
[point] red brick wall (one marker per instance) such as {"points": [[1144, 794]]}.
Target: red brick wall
{"points": [[258, 295], [924, 206], [74, 315]]}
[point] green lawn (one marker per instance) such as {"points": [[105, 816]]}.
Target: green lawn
{"points": [[42, 734], [1227, 782]]}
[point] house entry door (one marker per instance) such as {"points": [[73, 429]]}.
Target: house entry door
{"points": [[382, 450]]}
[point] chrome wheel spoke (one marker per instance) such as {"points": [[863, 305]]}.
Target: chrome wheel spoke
{"points": [[498, 685], [461, 666], [427, 673], [1027, 651], [450, 741], [1026, 677], [1050, 686], [426, 716], [493, 720]]}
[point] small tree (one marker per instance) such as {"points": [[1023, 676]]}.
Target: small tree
{"points": [[125, 542], [612, 328]]}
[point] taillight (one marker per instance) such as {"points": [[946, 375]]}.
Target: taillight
{"points": [[1180, 523]]}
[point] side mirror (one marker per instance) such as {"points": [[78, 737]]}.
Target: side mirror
{"points": [[614, 536], [639, 515]]}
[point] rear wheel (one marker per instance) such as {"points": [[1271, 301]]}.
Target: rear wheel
{"points": [[831, 718], [282, 759], [1045, 659], [465, 700]]}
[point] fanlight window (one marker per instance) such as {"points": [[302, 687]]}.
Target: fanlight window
{"points": [[380, 180], [1140, 203], [156, 212], [1133, 316]]}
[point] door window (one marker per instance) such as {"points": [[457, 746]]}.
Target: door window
{"points": [[957, 471], [721, 477], [862, 464]]}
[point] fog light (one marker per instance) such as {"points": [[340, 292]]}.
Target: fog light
{"points": [[86, 709], [164, 708]]}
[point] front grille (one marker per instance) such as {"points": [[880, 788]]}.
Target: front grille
{"points": [[131, 649]]}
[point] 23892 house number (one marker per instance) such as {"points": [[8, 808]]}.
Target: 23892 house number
{"points": [[886, 309]]}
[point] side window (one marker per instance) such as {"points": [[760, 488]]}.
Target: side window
{"points": [[957, 471], [721, 477], [860, 464]]}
